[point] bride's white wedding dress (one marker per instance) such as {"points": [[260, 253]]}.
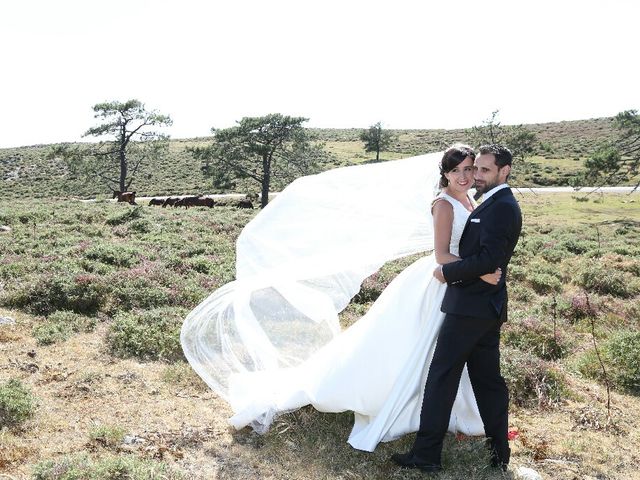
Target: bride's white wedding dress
{"points": [[376, 368]]}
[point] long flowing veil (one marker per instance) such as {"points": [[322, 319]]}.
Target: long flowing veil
{"points": [[301, 260]]}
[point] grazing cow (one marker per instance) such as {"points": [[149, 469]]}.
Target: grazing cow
{"points": [[170, 202], [129, 197], [186, 202], [197, 201], [206, 202], [244, 203], [156, 201]]}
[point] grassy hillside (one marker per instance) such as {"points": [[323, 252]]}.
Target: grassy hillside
{"points": [[93, 383], [563, 146]]}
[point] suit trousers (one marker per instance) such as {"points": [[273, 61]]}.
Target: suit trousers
{"points": [[476, 342]]}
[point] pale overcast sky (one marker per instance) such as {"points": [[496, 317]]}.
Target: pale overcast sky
{"points": [[341, 63]]}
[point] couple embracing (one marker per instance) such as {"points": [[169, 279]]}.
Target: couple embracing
{"points": [[424, 358], [474, 306]]}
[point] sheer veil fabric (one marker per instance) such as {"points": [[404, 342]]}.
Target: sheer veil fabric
{"points": [[299, 262]]}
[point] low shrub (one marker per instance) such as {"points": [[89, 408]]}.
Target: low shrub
{"points": [[520, 292], [107, 436], [577, 246], [17, 404], [113, 254], [605, 280], [125, 216], [554, 253], [535, 336], [147, 335], [53, 291], [544, 283], [201, 265], [621, 357], [135, 293], [579, 306], [532, 381], [50, 332], [61, 325], [110, 468], [517, 272]]}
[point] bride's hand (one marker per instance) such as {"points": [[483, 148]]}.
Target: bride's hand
{"points": [[492, 278]]}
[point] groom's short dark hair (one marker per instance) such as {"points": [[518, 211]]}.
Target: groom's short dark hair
{"points": [[502, 153]]}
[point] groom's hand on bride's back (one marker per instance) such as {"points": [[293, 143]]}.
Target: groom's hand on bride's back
{"points": [[492, 278]]}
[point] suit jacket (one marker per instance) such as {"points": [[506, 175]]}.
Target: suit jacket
{"points": [[488, 240]]}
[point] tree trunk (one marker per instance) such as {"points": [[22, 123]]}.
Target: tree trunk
{"points": [[266, 180], [123, 160], [378, 154]]}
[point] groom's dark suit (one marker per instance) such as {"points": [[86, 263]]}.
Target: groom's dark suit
{"points": [[470, 332]]}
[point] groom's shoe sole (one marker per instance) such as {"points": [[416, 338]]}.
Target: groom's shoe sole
{"points": [[408, 460]]}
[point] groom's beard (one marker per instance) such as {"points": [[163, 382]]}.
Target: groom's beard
{"points": [[484, 186]]}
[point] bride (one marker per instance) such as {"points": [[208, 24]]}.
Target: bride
{"points": [[270, 341]]}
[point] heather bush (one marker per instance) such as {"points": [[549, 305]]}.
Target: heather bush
{"points": [[544, 283], [601, 278], [17, 404], [520, 292], [125, 216], [113, 254], [60, 325], [535, 336], [52, 291], [107, 436], [82, 467], [147, 334], [532, 381], [621, 357], [578, 307]]}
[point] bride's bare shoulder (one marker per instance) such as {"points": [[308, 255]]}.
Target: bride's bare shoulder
{"points": [[441, 204]]}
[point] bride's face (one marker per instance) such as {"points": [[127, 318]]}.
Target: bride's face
{"points": [[461, 176]]}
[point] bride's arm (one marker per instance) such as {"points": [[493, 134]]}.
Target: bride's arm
{"points": [[442, 212]]}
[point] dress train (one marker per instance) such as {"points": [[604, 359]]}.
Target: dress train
{"points": [[376, 368]]}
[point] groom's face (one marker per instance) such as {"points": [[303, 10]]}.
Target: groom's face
{"points": [[487, 174]]}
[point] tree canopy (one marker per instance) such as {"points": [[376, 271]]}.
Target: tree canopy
{"points": [[134, 139], [376, 139], [618, 160], [517, 138], [270, 150]]}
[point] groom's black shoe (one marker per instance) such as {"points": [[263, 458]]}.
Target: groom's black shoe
{"points": [[498, 463], [411, 460], [500, 457]]}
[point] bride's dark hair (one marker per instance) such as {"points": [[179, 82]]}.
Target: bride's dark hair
{"points": [[454, 156]]}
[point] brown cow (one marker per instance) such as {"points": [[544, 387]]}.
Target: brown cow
{"points": [[197, 201], [244, 203], [170, 202], [206, 202], [129, 197]]}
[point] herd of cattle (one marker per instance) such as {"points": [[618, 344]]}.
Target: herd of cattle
{"points": [[186, 201]]}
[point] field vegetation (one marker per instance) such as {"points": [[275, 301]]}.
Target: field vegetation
{"points": [[93, 383], [560, 153]]}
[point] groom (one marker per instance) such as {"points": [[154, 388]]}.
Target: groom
{"points": [[474, 310]]}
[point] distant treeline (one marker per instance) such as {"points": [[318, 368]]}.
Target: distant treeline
{"points": [[560, 150]]}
